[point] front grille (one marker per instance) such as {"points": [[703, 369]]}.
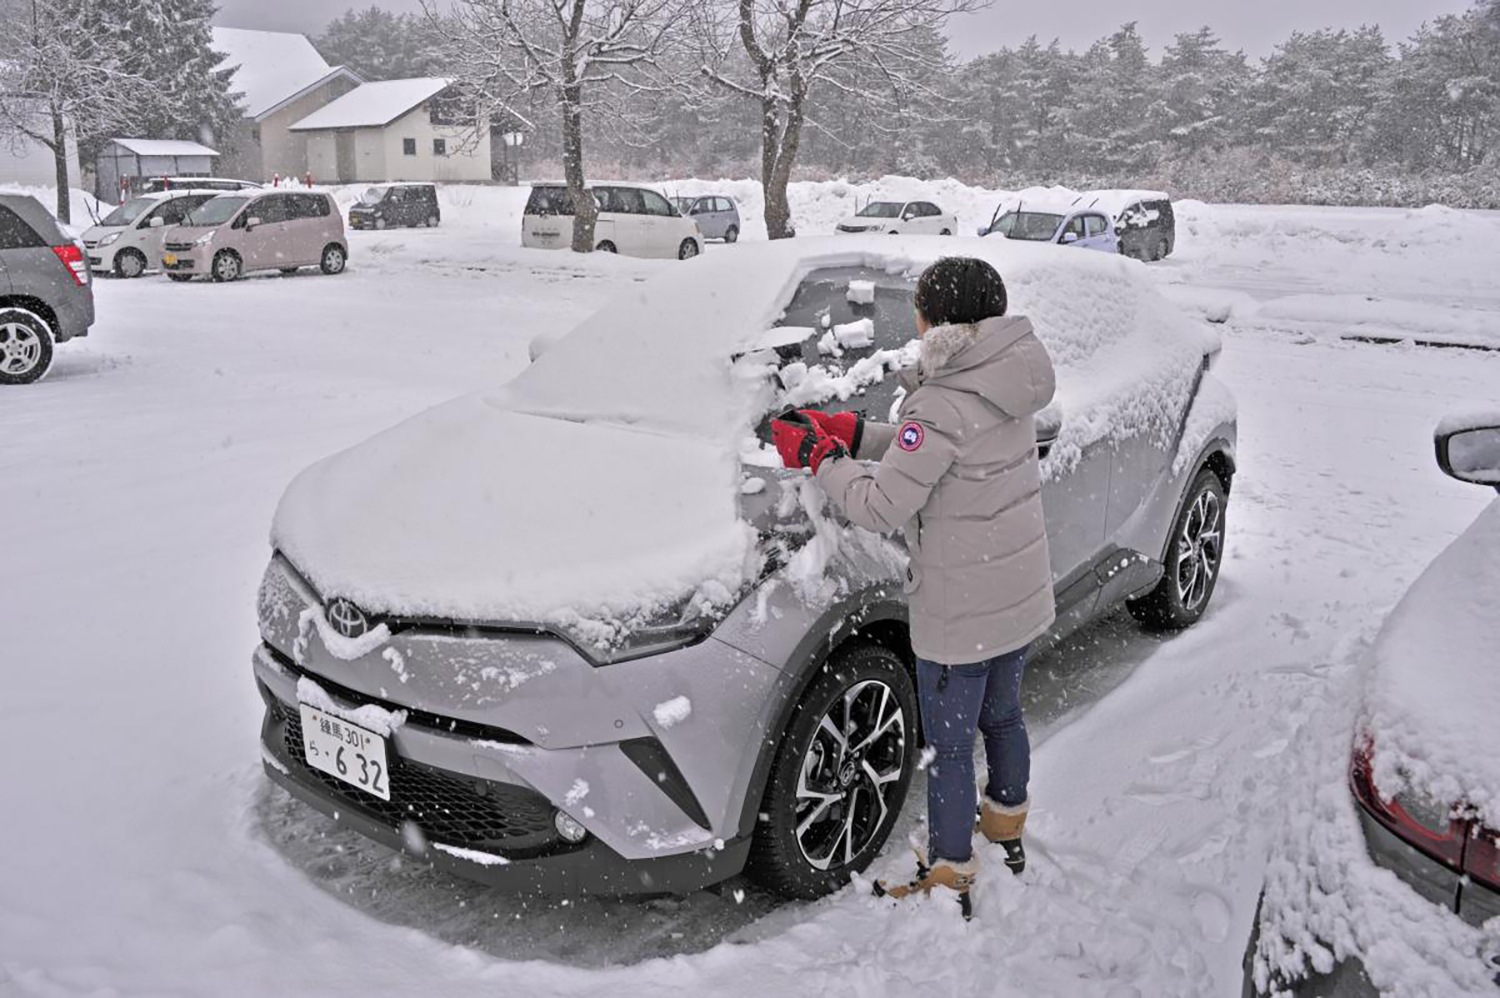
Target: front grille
{"points": [[448, 807], [90, 243], [178, 247]]}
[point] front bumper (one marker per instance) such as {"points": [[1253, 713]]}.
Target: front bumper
{"points": [[193, 260], [361, 221], [483, 829]]}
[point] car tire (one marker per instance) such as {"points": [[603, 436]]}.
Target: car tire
{"points": [[606, 246], [288, 270], [334, 259], [1195, 556], [432, 221], [687, 250], [226, 266], [859, 690], [129, 263], [732, 234], [1159, 250], [946, 232], [180, 278], [25, 347]]}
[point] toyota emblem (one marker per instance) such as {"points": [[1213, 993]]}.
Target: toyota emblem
{"points": [[348, 619]]}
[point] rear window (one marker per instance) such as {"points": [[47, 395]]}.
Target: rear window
{"points": [[549, 201], [16, 234]]}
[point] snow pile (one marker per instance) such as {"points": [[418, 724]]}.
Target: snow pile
{"points": [[670, 713], [82, 206], [1433, 716], [861, 292]]}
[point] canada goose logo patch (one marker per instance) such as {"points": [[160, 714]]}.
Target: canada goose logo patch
{"points": [[910, 437]]}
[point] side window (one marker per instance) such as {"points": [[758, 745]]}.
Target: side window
{"points": [[173, 211], [408, 147], [629, 201], [655, 204], [396, 195], [607, 199], [929, 210], [1094, 224], [16, 234], [272, 209], [725, 204], [1075, 226]]}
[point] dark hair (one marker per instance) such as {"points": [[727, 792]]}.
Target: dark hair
{"points": [[960, 289]]}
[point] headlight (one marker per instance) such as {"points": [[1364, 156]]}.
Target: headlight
{"points": [[204, 239], [683, 623], [109, 239]]}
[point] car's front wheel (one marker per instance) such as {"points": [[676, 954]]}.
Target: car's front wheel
{"points": [[840, 774], [129, 263], [1195, 554], [605, 247], [25, 347], [226, 266], [687, 250]]}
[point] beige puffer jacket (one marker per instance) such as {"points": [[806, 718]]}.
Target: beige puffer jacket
{"points": [[959, 473]]}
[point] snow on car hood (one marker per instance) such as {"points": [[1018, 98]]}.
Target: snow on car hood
{"points": [[602, 482], [1434, 696]]}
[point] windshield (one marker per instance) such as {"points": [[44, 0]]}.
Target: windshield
{"points": [[372, 195], [215, 211], [1035, 226], [129, 211], [880, 209]]}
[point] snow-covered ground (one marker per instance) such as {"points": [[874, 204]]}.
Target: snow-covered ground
{"points": [[144, 854]]}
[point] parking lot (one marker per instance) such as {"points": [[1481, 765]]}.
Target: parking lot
{"points": [[140, 478]]}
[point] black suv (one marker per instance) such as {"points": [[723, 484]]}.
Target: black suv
{"points": [[396, 204], [1147, 229]]}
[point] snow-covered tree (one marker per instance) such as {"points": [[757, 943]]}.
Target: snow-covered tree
{"points": [[168, 44], [1317, 94], [1112, 98], [1202, 92], [581, 56], [780, 54], [62, 72], [381, 45]]}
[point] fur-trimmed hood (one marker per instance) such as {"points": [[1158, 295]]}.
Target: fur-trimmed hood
{"points": [[991, 359]]}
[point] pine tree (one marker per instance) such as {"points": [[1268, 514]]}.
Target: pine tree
{"points": [[380, 45], [1202, 92]]}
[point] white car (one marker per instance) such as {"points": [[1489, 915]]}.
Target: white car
{"points": [[912, 218], [1064, 224], [1419, 911], [635, 221], [128, 240]]}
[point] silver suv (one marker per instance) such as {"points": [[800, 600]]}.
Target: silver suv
{"points": [[583, 634], [45, 295]]}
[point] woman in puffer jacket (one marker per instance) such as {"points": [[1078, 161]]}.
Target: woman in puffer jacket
{"points": [[958, 474]]}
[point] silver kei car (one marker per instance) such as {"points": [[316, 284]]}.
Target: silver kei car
{"points": [[583, 634]]}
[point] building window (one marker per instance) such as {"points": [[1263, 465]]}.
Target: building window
{"points": [[255, 134], [440, 147], [408, 147]]}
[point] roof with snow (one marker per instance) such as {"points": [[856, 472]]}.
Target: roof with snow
{"points": [[374, 104], [164, 147], [271, 66]]}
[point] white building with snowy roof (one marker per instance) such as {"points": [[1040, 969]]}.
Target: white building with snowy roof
{"points": [[281, 79], [123, 163], [412, 129]]}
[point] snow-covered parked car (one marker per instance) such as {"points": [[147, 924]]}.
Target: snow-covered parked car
{"points": [[583, 633], [1144, 221], [127, 242], [912, 218], [1424, 780], [1067, 224], [635, 221]]}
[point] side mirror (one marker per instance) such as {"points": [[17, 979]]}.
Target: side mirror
{"points": [[155, 223], [1048, 424], [1468, 449], [1069, 237], [983, 230], [251, 223]]}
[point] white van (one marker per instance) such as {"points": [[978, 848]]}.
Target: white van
{"points": [[636, 221], [127, 241]]}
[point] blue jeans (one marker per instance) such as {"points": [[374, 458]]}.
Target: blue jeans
{"points": [[986, 697]]}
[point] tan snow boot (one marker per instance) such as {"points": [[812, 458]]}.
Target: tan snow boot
{"points": [[1003, 824], [956, 877]]}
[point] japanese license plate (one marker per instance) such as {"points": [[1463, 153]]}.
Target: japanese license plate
{"points": [[170, 259], [345, 750]]}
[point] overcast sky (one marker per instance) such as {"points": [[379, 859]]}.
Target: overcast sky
{"points": [[1254, 25]]}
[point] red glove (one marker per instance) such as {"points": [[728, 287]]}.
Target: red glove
{"points": [[845, 427], [801, 443]]}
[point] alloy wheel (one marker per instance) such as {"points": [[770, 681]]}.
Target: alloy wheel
{"points": [[20, 349], [850, 768], [132, 265], [687, 250], [1200, 545]]}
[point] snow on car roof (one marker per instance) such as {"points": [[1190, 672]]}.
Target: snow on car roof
{"points": [[373, 104], [603, 480], [1116, 201], [1433, 702], [269, 66]]}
